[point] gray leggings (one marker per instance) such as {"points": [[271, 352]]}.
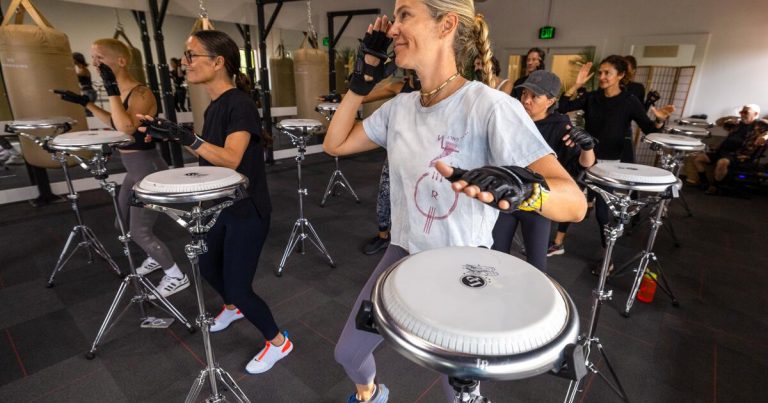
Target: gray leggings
{"points": [[139, 164], [354, 350]]}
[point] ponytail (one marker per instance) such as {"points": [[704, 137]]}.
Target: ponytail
{"points": [[483, 49]]}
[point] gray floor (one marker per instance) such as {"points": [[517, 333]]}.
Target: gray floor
{"points": [[712, 348]]}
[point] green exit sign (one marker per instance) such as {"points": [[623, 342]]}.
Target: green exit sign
{"points": [[546, 32], [326, 41]]}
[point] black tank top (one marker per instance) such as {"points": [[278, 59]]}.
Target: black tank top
{"points": [[138, 137], [85, 82]]}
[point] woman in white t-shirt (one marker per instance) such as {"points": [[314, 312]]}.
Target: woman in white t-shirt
{"points": [[451, 122]]}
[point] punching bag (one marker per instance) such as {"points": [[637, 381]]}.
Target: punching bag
{"points": [[36, 59], [136, 66], [310, 73], [341, 74], [198, 96], [281, 81]]}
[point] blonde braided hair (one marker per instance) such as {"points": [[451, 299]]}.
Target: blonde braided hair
{"points": [[471, 39]]}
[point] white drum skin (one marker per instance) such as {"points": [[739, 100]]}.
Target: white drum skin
{"points": [[474, 313], [189, 184], [631, 177]]}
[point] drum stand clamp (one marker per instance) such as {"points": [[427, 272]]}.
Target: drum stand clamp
{"points": [[302, 228]]}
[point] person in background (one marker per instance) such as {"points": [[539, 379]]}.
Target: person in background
{"points": [[179, 90], [534, 60]]}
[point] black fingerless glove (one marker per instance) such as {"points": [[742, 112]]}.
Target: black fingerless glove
{"points": [[109, 80], [162, 129], [332, 97], [584, 140], [522, 188], [374, 44], [70, 96]]}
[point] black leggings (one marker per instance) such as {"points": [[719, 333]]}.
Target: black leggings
{"points": [[536, 230], [234, 246]]}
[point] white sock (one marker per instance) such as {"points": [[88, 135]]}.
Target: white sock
{"points": [[174, 272]]}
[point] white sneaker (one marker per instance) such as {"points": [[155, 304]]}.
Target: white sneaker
{"points": [[171, 285], [268, 356], [148, 266], [15, 158], [225, 318]]}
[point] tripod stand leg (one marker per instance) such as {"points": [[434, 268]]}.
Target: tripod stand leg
{"points": [[315, 239], [348, 186], [165, 304], [573, 390], [672, 233], [636, 283], [616, 384], [293, 240], [62, 261], [197, 386], [100, 249], [685, 205], [328, 189], [227, 380], [664, 285], [102, 330]]}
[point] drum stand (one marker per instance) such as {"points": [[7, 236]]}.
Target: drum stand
{"points": [[338, 180], [673, 163], [337, 177], [623, 208], [645, 257], [302, 228], [89, 242], [193, 221], [145, 291]]}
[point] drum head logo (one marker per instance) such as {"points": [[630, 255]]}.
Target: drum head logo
{"points": [[477, 276], [194, 174], [473, 281]]}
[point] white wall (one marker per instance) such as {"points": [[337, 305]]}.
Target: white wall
{"points": [[734, 68], [732, 72]]}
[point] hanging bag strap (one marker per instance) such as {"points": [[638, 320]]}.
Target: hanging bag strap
{"points": [[17, 8]]}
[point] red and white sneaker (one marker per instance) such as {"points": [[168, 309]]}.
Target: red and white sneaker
{"points": [[269, 355], [225, 318]]}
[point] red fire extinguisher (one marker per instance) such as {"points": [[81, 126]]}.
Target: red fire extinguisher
{"points": [[647, 287]]}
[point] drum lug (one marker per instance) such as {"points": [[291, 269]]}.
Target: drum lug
{"points": [[364, 318]]}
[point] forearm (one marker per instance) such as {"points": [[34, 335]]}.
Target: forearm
{"points": [[587, 158], [342, 124], [219, 156], [566, 202]]}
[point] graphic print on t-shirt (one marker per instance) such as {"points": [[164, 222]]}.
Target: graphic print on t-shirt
{"points": [[433, 195]]}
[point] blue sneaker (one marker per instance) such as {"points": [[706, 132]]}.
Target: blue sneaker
{"points": [[381, 395]]}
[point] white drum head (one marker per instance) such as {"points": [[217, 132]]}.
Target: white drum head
{"points": [[90, 138], [44, 122], [474, 301], [674, 140], [189, 180], [632, 176], [695, 122], [293, 124], [328, 106]]}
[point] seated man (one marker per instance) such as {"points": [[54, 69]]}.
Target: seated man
{"points": [[745, 136]]}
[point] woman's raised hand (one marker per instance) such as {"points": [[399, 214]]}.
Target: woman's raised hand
{"points": [[584, 74], [663, 112]]}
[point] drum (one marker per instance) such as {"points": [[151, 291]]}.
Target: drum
{"points": [[688, 130], [327, 109], [632, 177], [90, 140], [189, 185], [696, 122], [474, 313], [52, 123], [677, 142], [300, 127]]}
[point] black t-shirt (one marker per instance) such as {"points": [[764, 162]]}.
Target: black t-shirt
{"points": [[517, 93], [552, 129], [609, 120], [235, 111], [636, 89]]}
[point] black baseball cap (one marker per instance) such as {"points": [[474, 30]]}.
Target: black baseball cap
{"points": [[542, 83]]}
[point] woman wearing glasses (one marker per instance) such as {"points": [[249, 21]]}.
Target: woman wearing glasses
{"points": [[127, 98], [231, 138]]}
